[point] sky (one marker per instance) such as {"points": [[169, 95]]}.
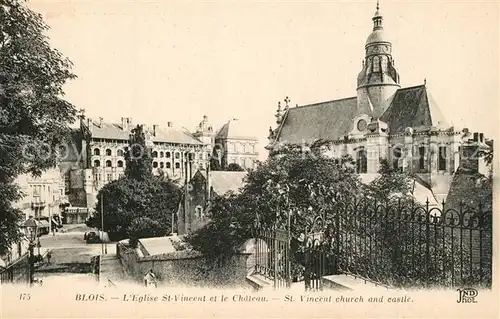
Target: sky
{"points": [[175, 61]]}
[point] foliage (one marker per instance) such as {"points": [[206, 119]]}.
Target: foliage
{"points": [[376, 231], [137, 194], [292, 184], [216, 166], [34, 117], [138, 157], [145, 227], [234, 167]]}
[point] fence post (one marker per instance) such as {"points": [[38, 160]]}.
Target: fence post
{"points": [[427, 242]]}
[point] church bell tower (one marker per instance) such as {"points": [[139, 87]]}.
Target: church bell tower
{"points": [[378, 80]]}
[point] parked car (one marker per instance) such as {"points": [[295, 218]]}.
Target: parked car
{"points": [[91, 237]]}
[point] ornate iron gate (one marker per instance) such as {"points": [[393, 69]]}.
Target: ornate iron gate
{"points": [[400, 244], [272, 255], [314, 253]]}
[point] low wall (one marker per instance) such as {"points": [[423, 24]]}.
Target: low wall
{"points": [[16, 272], [185, 268]]}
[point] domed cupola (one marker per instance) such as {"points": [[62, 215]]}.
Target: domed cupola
{"points": [[378, 79]]}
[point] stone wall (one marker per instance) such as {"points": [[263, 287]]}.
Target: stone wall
{"points": [[185, 268]]}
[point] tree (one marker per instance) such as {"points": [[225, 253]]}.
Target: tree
{"points": [[138, 157], [139, 194], [145, 227], [234, 167], [292, 186], [34, 117]]}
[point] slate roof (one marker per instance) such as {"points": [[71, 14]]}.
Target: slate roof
{"points": [[169, 134], [411, 107], [234, 129], [326, 120], [225, 181]]}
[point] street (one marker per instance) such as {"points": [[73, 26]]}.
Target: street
{"points": [[71, 257]]}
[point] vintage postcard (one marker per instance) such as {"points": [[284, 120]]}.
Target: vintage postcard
{"points": [[249, 159]]}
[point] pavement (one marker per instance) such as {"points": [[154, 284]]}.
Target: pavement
{"points": [[112, 272], [71, 256]]}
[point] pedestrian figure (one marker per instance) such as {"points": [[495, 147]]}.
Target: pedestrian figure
{"points": [[49, 256], [150, 279]]}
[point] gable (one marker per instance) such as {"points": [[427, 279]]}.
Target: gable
{"points": [[413, 107]]}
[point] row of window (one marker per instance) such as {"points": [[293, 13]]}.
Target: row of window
{"points": [[245, 148], [97, 163], [120, 152], [108, 152], [108, 163], [362, 163]]}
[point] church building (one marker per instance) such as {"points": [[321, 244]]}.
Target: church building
{"points": [[383, 120]]}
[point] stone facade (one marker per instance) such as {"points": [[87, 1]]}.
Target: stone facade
{"points": [[403, 125], [98, 154], [194, 207], [44, 195], [233, 144]]}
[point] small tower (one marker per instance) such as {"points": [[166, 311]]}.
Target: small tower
{"points": [[204, 132], [378, 79]]}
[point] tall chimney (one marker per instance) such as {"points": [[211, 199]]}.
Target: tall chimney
{"points": [[155, 129], [100, 121]]}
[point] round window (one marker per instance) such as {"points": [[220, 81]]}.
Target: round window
{"points": [[362, 125]]}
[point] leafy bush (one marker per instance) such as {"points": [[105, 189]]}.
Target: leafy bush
{"points": [[145, 227]]}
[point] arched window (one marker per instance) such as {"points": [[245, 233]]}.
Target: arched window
{"points": [[97, 163], [167, 154], [108, 163], [155, 154], [361, 161], [162, 165], [383, 62], [421, 157], [397, 153], [169, 165], [97, 151], [177, 165], [108, 152], [161, 154], [177, 155], [155, 164], [376, 64], [120, 163], [119, 152]]}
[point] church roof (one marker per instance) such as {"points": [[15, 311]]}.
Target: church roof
{"points": [[234, 129], [411, 107], [326, 120], [168, 135]]}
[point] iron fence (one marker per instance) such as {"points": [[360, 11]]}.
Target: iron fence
{"points": [[272, 255], [404, 245]]}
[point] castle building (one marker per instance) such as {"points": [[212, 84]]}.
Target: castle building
{"points": [[234, 144], [383, 120], [98, 154]]}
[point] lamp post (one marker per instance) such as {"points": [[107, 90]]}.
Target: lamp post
{"points": [[30, 227]]}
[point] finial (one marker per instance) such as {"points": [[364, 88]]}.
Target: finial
{"points": [[378, 5], [425, 81], [286, 101]]}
